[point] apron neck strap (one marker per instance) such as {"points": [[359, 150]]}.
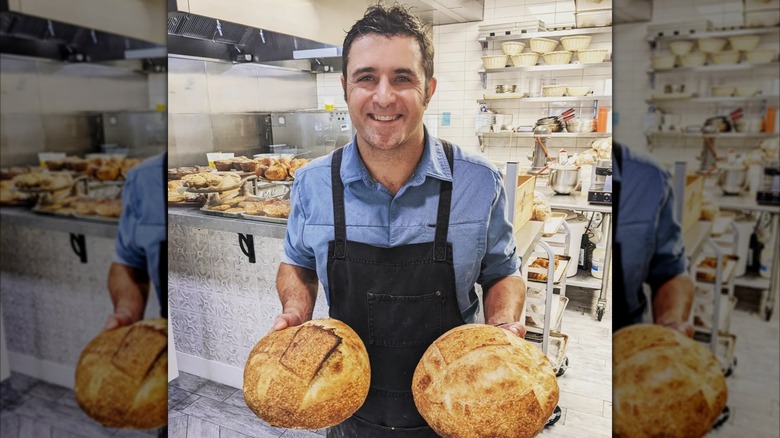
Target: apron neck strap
{"points": [[443, 214]]}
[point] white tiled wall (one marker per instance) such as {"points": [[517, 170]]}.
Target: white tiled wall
{"points": [[457, 60]]}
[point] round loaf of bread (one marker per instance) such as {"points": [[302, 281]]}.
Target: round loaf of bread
{"points": [[122, 376], [309, 376], [478, 380], [664, 384]]}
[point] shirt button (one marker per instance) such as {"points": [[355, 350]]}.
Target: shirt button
{"points": [[438, 293]]}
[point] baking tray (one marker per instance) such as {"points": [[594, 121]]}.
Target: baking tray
{"points": [[703, 274], [535, 307], [96, 218], [563, 265], [556, 350], [220, 213], [185, 204], [553, 223], [254, 217], [39, 210]]}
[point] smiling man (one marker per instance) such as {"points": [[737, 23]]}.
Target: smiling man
{"points": [[397, 225]]}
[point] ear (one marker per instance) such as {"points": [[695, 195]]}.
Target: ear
{"points": [[431, 89], [344, 86]]}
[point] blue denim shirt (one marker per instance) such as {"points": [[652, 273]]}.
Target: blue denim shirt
{"points": [[650, 237], [142, 226], [480, 232]]}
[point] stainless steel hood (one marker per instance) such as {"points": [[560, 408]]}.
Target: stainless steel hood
{"points": [[27, 35]]}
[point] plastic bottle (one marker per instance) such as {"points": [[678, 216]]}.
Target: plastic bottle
{"points": [[601, 120], [766, 262], [599, 255], [769, 120]]}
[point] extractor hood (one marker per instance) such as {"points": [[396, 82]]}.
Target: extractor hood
{"points": [[36, 37], [631, 11]]}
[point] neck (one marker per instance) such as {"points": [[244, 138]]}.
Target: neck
{"points": [[392, 168]]}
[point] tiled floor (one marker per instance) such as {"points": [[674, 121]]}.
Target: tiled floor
{"points": [[30, 408]]}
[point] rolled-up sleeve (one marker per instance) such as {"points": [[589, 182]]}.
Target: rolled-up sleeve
{"points": [[295, 252], [500, 258], [669, 259]]}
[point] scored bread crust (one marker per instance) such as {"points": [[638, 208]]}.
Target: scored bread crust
{"points": [[122, 376], [309, 376], [664, 384], [478, 380]]}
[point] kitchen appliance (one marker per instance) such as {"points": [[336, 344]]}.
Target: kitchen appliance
{"points": [[732, 179], [601, 183], [769, 192], [315, 132], [540, 156], [564, 178]]}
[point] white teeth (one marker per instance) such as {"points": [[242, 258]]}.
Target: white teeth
{"points": [[385, 118]]}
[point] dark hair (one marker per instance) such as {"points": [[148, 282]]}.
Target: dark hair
{"points": [[390, 21]]}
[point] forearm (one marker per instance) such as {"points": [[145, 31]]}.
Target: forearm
{"points": [[504, 300], [297, 289], [672, 302], [129, 289]]}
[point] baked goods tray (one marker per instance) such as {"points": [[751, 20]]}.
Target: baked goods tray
{"points": [[39, 210], [220, 213], [220, 189], [563, 264], [724, 351], [535, 308], [95, 218], [556, 350], [185, 204], [706, 274], [254, 217]]}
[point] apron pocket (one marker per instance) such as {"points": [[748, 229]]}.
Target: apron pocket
{"points": [[402, 321]]}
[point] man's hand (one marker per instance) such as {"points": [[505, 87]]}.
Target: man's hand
{"points": [[285, 320], [683, 327], [116, 320], [515, 327], [129, 289]]}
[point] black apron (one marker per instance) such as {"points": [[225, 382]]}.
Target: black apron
{"points": [[621, 314], [398, 300]]}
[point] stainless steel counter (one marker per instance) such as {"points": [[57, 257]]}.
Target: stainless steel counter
{"points": [[27, 218], [192, 217]]}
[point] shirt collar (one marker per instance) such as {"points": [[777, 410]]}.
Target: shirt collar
{"points": [[433, 164]]}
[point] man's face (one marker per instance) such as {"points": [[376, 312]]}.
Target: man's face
{"points": [[385, 91]]}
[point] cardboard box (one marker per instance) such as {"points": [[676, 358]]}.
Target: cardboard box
{"points": [[694, 187], [524, 200]]}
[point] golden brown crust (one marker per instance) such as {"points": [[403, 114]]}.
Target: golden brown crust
{"points": [[121, 377], [276, 172], [307, 377], [663, 379], [477, 380]]}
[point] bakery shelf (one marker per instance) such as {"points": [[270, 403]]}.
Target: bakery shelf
{"points": [[27, 218], [715, 34], [562, 67], [660, 100], [504, 134], [520, 98], [558, 272], [727, 135], [546, 34], [195, 218], [752, 280], [584, 280], [715, 68]]}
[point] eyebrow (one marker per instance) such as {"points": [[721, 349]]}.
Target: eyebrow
{"points": [[406, 71]]}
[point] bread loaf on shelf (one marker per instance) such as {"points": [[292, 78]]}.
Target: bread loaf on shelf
{"points": [[122, 376]]}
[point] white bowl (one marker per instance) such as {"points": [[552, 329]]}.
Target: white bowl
{"points": [[577, 91], [760, 56], [575, 43], [543, 45], [511, 48], [495, 61], [748, 124], [592, 56], [744, 42], [525, 59], [557, 58], [553, 90], [712, 45], [721, 91], [725, 57], [693, 59], [664, 62], [681, 48]]}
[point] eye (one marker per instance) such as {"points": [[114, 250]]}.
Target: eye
{"points": [[365, 78], [403, 79]]}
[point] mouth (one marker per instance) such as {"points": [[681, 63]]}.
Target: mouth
{"points": [[389, 118]]}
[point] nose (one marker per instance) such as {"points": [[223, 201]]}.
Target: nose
{"points": [[384, 94]]}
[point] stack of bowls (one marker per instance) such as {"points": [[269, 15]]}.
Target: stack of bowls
{"points": [[512, 48]]}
